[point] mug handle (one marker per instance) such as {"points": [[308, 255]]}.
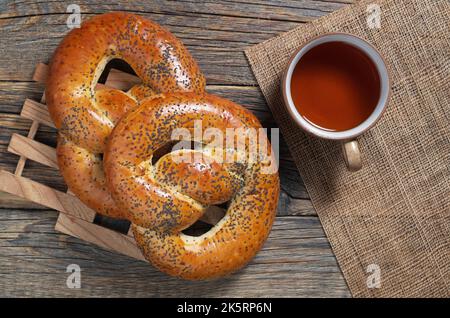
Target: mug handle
{"points": [[352, 155]]}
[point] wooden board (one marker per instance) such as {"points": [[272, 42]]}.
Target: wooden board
{"points": [[216, 33]]}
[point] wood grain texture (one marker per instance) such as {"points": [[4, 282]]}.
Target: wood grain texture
{"points": [[296, 260]]}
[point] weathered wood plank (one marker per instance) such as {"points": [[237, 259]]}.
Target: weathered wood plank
{"points": [[13, 94], [211, 52], [295, 261], [290, 10], [10, 201], [296, 11]]}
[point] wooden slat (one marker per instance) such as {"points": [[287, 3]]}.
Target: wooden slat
{"points": [[21, 163], [34, 150], [37, 112], [44, 195], [121, 80], [98, 235], [40, 73], [130, 232]]}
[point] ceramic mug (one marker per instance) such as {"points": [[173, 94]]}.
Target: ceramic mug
{"points": [[350, 147]]}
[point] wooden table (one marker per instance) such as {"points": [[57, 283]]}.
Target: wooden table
{"points": [[295, 261]]}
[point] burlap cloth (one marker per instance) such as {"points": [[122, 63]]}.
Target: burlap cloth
{"points": [[395, 212]]}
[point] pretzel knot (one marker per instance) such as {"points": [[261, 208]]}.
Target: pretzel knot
{"points": [[85, 116], [164, 197]]}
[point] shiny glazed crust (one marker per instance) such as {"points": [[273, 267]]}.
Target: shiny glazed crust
{"points": [[86, 116], [163, 198]]}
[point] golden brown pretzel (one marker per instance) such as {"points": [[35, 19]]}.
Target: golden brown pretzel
{"points": [[85, 116], [163, 198]]}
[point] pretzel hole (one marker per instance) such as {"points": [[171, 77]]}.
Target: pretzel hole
{"points": [[197, 229], [167, 148], [117, 64], [117, 225], [162, 151], [211, 217]]}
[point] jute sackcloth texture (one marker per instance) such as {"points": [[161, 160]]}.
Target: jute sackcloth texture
{"points": [[394, 212]]}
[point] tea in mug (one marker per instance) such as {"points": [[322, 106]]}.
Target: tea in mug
{"points": [[335, 86]]}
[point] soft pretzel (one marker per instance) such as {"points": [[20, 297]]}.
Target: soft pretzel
{"points": [[85, 116], [163, 198]]}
